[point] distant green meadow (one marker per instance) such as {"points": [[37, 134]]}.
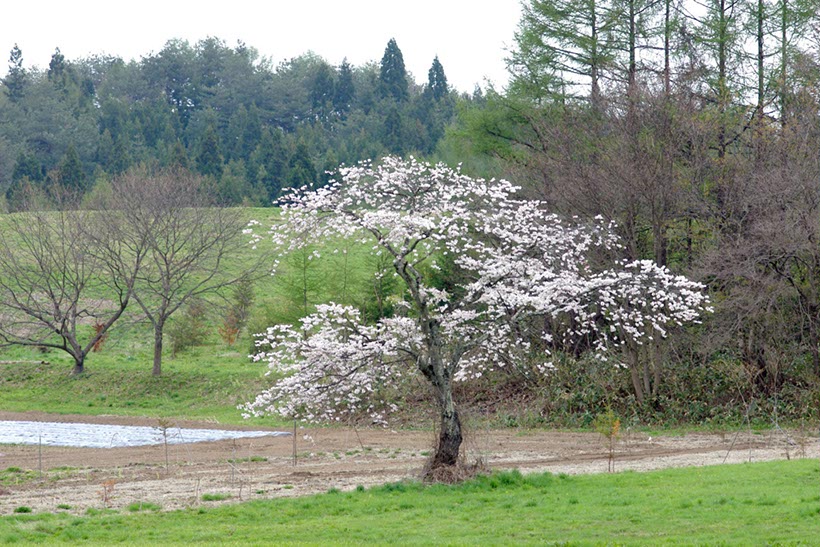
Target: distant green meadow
{"points": [[746, 504], [206, 381]]}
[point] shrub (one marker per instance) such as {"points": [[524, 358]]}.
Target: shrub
{"points": [[190, 328]]}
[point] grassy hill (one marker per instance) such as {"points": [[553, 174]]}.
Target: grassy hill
{"points": [[207, 379]]}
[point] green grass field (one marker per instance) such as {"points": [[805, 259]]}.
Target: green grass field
{"points": [[207, 381], [749, 504], [772, 503]]}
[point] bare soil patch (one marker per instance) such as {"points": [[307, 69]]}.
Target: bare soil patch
{"points": [[342, 458]]}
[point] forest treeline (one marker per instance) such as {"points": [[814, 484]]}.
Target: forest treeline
{"points": [[693, 126], [221, 111]]}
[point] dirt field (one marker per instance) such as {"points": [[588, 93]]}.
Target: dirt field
{"points": [[259, 468]]}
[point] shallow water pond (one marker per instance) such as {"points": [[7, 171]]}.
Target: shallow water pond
{"points": [[112, 436]]}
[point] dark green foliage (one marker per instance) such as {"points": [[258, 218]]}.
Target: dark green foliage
{"points": [[27, 167], [392, 74], [189, 328], [16, 79], [71, 175], [268, 163], [205, 105], [242, 301], [58, 70], [179, 156], [322, 92], [209, 159], [301, 171], [120, 157], [393, 130], [233, 188], [380, 290], [345, 90], [437, 81]]}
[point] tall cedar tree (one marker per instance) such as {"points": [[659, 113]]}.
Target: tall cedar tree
{"points": [[16, 79], [345, 90], [209, 160], [437, 81], [71, 172], [392, 74]]}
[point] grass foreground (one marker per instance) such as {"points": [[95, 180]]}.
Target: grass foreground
{"points": [[746, 504]]}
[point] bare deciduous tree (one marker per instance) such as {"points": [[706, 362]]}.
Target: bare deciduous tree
{"points": [[192, 247], [63, 272]]}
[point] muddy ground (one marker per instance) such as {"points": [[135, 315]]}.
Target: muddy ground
{"points": [[76, 479]]}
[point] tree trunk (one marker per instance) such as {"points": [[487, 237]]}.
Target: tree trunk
{"points": [[660, 242], [593, 57], [634, 371], [157, 370], [79, 366], [657, 360], [667, 48], [449, 440], [784, 23], [814, 338]]}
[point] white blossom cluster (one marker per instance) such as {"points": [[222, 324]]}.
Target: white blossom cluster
{"points": [[518, 261], [333, 366]]}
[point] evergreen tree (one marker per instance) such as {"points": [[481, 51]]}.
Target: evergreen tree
{"points": [[345, 89], [322, 91], [120, 158], [16, 79], [28, 167], [251, 134], [329, 168], [437, 81], [560, 45], [58, 69], [209, 159], [105, 150], [242, 133], [392, 132], [71, 172], [269, 163], [301, 171], [233, 188], [392, 74], [179, 156]]}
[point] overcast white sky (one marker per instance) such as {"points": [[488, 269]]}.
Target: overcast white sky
{"points": [[469, 37]]}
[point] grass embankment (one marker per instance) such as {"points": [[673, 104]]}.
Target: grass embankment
{"points": [[206, 383], [748, 504]]}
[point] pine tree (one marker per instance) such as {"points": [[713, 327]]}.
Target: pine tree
{"points": [[392, 74], [16, 79]]}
